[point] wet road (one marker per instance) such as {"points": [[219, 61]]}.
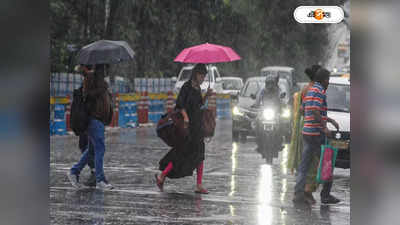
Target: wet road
{"points": [[243, 188]]}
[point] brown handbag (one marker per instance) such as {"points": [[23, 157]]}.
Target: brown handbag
{"points": [[170, 128], [209, 115], [209, 123]]}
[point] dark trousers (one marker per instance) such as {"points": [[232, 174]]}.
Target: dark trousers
{"points": [[311, 146]]}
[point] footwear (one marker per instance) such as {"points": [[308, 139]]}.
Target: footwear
{"points": [[91, 181], [104, 185], [309, 198], [330, 200], [74, 179], [160, 184], [201, 191], [299, 198]]}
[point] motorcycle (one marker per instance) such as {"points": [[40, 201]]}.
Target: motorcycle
{"points": [[268, 127]]}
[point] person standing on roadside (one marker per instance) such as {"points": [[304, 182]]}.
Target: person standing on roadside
{"points": [[99, 105], [296, 142], [314, 133]]}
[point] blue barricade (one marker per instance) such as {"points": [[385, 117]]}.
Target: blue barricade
{"points": [[51, 128], [127, 114], [133, 112], [223, 108], [59, 125], [156, 110], [122, 117]]}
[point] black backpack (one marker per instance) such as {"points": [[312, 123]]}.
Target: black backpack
{"points": [[79, 120]]}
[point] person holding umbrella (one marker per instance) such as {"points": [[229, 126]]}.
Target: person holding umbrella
{"points": [[188, 155], [85, 70], [98, 100], [101, 53]]}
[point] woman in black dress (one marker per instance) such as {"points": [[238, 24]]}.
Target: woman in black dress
{"points": [[189, 154]]}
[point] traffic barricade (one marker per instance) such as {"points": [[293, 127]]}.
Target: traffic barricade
{"points": [[133, 118], [123, 114], [68, 113], [169, 103], [59, 126]]}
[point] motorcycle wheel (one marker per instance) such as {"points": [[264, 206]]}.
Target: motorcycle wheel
{"points": [[235, 136], [268, 148]]}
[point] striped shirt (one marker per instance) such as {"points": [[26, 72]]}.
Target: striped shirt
{"points": [[315, 99]]}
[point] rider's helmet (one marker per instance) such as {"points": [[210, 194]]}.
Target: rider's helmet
{"points": [[271, 81]]}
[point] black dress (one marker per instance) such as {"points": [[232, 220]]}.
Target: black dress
{"points": [[190, 152]]}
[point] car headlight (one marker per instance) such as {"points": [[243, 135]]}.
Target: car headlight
{"points": [[268, 114], [286, 113], [236, 111]]}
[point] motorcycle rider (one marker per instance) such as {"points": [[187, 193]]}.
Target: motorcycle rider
{"points": [[269, 96]]}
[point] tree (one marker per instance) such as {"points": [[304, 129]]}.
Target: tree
{"points": [[262, 32]]}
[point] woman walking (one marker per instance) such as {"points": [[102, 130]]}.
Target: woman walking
{"points": [[188, 155]]}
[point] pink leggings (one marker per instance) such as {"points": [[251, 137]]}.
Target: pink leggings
{"points": [[199, 171]]}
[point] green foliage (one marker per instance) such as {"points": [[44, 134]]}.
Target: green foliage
{"points": [[263, 32]]}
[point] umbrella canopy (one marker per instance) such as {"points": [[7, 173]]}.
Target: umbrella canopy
{"points": [[105, 52], [207, 53]]}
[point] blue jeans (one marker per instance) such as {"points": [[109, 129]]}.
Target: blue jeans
{"points": [[311, 146], [83, 146], [96, 138]]}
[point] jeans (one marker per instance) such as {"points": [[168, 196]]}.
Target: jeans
{"points": [[96, 138], [311, 145], [83, 146]]}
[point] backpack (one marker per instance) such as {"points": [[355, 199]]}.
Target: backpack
{"points": [[79, 120]]}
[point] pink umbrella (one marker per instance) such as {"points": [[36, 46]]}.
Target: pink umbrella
{"points": [[207, 53]]}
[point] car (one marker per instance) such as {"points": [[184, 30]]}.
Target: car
{"points": [[186, 72], [338, 99], [243, 114], [283, 72], [229, 85]]}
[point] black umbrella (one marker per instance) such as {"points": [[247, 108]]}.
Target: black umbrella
{"points": [[105, 52]]}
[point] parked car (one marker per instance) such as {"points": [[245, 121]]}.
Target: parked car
{"points": [[244, 115], [186, 72], [338, 99], [229, 85], [282, 72]]}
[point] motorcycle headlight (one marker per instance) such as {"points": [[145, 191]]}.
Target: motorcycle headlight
{"points": [[236, 111], [286, 113], [268, 114]]}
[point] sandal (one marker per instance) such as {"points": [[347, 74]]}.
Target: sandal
{"points": [[201, 191], [160, 184]]}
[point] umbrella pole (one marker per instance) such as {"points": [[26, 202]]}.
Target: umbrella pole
{"points": [[209, 77]]}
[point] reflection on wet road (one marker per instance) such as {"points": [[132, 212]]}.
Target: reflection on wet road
{"points": [[243, 188]]}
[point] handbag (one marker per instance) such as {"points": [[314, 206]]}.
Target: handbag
{"points": [[208, 116], [326, 162], [170, 128]]}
